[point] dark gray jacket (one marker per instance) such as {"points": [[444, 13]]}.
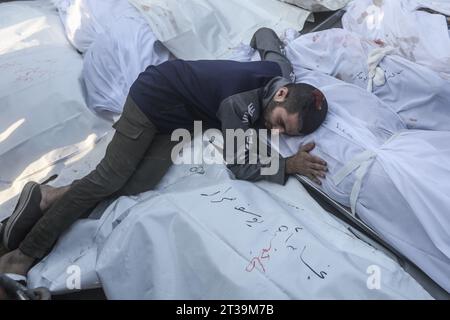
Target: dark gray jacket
{"points": [[245, 111], [222, 94]]}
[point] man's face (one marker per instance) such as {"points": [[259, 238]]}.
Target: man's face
{"points": [[279, 119], [283, 122]]}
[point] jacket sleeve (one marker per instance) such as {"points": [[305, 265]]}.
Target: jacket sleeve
{"points": [[236, 114]]}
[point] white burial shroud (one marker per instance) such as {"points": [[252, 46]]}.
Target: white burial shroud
{"points": [[44, 120], [419, 95], [85, 20], [394, 179], [114, 61], [203, 235], [117, 43], [208, 29], [418, 36], [319, 5]]}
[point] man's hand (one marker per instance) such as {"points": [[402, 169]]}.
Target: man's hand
{"points": [[307, 165]]}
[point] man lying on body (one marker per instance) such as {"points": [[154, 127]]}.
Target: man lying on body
{"points": [[221, 94]]}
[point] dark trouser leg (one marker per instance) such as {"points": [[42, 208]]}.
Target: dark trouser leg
{"points": [[155, 164], [133, 137], [271, 48]]}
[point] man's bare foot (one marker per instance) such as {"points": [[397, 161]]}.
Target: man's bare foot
{"points": [[50, 195], [14, 262]]}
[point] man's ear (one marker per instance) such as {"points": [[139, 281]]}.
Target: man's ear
{"points": [[281, 95], [318, 98]]}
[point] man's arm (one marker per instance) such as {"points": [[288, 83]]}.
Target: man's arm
{"points": [[236, 113], [243, 159], [251, 172], [306, 164]]}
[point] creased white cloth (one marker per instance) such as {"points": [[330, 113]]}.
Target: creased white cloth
{"points": [[207, 29], [202, 235], [376, 74], [442, 6], [114, 61], [44, 120], [31, 25], [319, 5], [418, 36], [85, 20], [419, 95], [394, 179]]}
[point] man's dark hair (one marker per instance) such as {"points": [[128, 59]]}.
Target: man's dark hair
{"points": [[301, 98]]}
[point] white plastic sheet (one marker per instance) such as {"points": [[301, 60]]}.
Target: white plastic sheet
{"points": [[44, 119], [441, 6], [85, 20], [418, 36], [24, 26], [208, 29], [419, 95], [319, 5], [201, 235], [143, 261], [115, 60], [394, 179]]}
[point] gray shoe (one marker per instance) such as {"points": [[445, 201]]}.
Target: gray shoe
{"points": [[26, 213], [271, 48], [265, 40], [24, 217]]}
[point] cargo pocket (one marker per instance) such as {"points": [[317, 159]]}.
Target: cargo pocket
{"points": [[128, 129]]}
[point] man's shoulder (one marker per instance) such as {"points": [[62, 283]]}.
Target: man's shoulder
{"points": [[244, 105]]}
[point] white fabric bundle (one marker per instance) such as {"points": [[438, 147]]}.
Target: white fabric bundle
{"points": [[420, 96], [32, 25], [115, 60], [85, 20], [417, 35], [44, 120], [319, 5], [394, 179], [201, 235], [442, 6], [208, 29]]}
